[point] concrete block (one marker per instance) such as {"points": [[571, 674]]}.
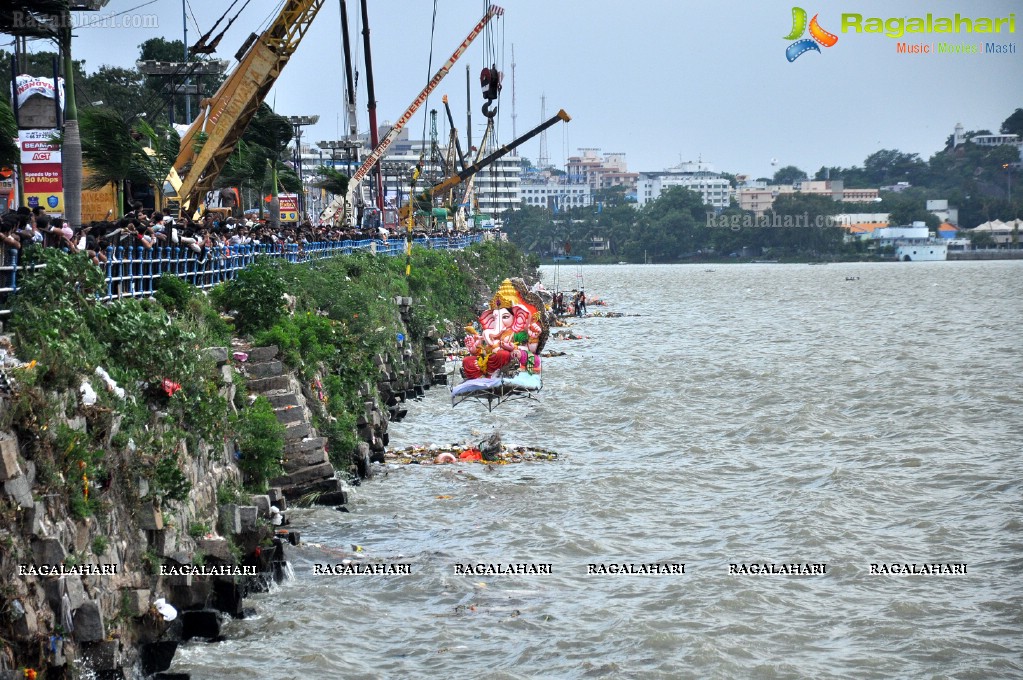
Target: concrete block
{"points": [[74, 588], [32, 520], [262, 503], [282, 400], [20, 489], [103, 656], [218, 354], [309, 474], [300, 445], [150, 518], [230, 520], [264, 369], [267, 353], [290, 414], [276, 382], [305, 459], [48, 551], [25, 623], [163, 541], [216, 548], [136, 601], [204, 623], [300, 431], [248, 515], [88, 622], [9, 467]]}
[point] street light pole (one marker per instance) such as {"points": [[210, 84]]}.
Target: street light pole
{"points": [[298, 122]]}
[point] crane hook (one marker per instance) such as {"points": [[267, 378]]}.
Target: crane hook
{"points": [[487, 111]]}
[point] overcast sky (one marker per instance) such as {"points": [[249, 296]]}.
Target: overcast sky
{"points": [[660, 80]]}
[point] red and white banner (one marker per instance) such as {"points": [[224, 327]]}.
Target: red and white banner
{"points": [[27, 85], [37, 146]]}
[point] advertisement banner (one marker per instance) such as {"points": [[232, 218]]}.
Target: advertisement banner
{"points": [[37, 147], [42, 171], [28, 86], [289, 207]]}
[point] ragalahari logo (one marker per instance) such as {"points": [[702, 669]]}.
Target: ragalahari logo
{"points": [[818, 35]]}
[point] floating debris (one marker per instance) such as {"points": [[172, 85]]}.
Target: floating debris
{"points": [[469, 453]]}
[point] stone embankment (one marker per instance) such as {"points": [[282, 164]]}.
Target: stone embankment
{"points": [[116, 624]]}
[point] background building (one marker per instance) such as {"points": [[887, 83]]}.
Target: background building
{"points": [[601, 171], [714, 189]]}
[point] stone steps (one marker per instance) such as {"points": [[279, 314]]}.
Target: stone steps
{"points": [[290, 414], [305, 459], [307, 466], [274, 382], [307, 444]]}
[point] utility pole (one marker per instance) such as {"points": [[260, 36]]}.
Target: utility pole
{"points": [[515, 135], [188, 100], [173, 70], [298, 122], [544, 160]]}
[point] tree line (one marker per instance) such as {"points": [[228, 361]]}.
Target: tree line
{"points": [[981, 181]]}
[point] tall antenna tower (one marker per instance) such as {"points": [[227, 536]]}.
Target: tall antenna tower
{"points": [[544, 161], [515, 135]]}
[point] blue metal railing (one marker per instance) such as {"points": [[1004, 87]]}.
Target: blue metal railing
{"points": [[135, 271]]}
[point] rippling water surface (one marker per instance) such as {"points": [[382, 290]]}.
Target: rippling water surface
{"points": [[747, 413]]}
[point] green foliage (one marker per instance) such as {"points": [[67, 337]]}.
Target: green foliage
{"points": [[263, 146], [99, 545], [173, 292], [55, 315], [261, 440], [77, 462], [9, 153], [198, 529], [255, 296], [228, 493], [331, 180], [1013, 125], [151, 560], [341, 438], [788, 175], [304, 340], [168, 481]]}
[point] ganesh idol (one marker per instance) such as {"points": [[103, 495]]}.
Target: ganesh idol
{"points": [[513, 332]]}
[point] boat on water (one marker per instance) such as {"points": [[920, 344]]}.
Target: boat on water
{"points": [[568, 258]]}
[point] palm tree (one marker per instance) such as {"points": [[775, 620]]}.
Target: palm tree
{"points": [[154, 160], [9, 153], [72, 148], [331, 180], [108, 148]]}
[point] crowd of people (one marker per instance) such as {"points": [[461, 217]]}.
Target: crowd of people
{"points": [[148, 230]]}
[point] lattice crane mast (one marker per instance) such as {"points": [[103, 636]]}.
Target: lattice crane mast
{"points": [[212, 137]]}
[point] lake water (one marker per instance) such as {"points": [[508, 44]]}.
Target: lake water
{"points": [[747, 414]]}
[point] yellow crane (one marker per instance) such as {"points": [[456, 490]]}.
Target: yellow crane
{"points": [[468, 171], [223, 117]]}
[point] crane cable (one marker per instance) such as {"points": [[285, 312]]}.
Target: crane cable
{"points": [[410, 222], [212, 46]]}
